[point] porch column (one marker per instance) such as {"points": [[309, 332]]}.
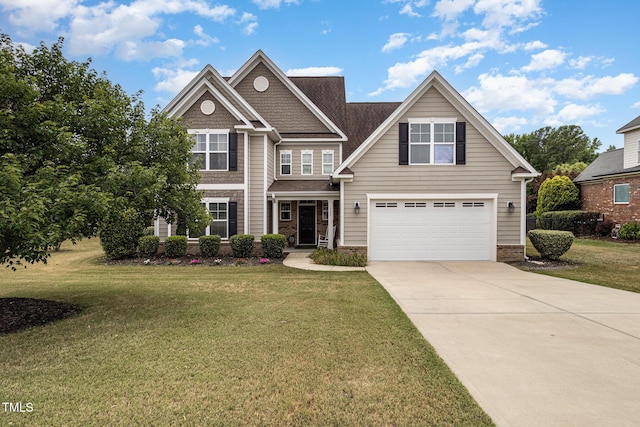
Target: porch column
{"points": [[330, 223], [274, 215]]}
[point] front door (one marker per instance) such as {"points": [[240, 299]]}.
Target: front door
{"points": [[306, 225]]}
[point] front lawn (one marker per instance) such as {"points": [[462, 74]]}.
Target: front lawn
{"points": [[202, 345], [601, 262]]}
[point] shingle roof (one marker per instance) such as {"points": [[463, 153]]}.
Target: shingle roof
{"points": [[302, 186], [328, 94], [635, 123], [363, 118], [606, 164]]}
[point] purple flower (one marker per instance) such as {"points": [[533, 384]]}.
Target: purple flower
{"points": [[264, 260]]}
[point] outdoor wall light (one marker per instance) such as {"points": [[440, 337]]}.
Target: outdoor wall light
{"points": [[356, 207], [511, 206]]}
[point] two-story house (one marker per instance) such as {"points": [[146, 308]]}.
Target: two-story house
{"points": [[423, 179], [611, 183]]}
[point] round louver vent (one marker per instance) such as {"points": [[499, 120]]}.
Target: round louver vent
{"points": [[207, 107], [261, 83]]}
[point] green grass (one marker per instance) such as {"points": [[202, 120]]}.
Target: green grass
{"points": [[605, 263], [196, 345]]}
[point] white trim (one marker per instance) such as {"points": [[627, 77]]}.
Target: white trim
{"points": [[208, 152], [305, 195], [332, 161], [260, 56], [247, 190], [220, 187], [341, 222], [280, 210], [614, 194], [493, 197], [290, 153], [468, 113], [432, 121], [265, 183], [302, 163]]}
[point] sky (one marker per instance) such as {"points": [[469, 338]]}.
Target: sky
{"points": [[523, 64]]}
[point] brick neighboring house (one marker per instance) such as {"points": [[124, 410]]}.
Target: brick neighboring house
{"points": [[611, 184]]}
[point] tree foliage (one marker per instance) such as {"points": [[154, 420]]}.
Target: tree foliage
{"points": [[73, 147], [549, 147], [557, 194]]}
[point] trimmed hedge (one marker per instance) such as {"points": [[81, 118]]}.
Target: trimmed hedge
{"points": [[209, 245], [551, 244], [149, 231], [175, 246], [568, 220], [330, 257], [120, 232], [148, 246], [273, 245], [630, 231], [241, 245]]}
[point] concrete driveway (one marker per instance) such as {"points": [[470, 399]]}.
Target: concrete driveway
{"points": [[532, 350]]}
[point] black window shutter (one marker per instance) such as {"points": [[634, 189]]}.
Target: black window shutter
{"points": [[403, 144], [461, 143], [233, 218], [233, 151]]}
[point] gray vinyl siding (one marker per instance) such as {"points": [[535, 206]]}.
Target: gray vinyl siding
{"points": [[296, 159], [220, 119], [278, 105], [257, 190], [631, 149], [485, 171]]}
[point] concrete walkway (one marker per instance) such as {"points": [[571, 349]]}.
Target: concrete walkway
{"points": [[300, 259], [533, 350]]}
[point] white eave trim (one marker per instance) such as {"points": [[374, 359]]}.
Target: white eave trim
{"points": [[302, 195]]}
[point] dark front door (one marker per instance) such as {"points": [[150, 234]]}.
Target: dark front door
{"points": [[306, 225]]}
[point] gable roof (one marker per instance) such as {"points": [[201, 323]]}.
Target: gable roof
{"points": [[632, 125], [209, 80], [470, 114], [606, 164], [328, 94], [363, 118], [260, 58]]}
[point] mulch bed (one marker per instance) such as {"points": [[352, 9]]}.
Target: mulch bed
{"points": [[538, 263], [195, 261], [17, 314]]}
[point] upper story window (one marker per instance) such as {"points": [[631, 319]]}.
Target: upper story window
{"points": [[432, 142], [211, 150], [621, 193], [327, 162], [307, 162], [285, 162]]}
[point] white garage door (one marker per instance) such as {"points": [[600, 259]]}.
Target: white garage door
{"points": [[413, 230]]}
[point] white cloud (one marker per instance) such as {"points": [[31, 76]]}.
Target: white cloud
{"points": [[581, 62], [130, 51], [636, 105], [451, 9], [407, 9], [250, 22], [534, 45], [273, 4], [204, 39], [507, 93], [396, 41], [574, 113], [314, 71], [172, 80], [506, 125], [473, 61], [507, 13], [38, 15], [589, 86], [547, 59]]}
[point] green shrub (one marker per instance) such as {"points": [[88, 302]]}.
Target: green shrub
{"points": [[149, 231], [241, 245], [175, 246], [551, 244], [330, 257], [209, 245], [148, 246], [273, 245], [630, 231], [557, 194], [120, 232], [568, 221]]}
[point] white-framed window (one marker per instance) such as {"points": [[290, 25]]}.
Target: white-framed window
{"points": [[432, 142], [325, 210], [285, 162], [210, 150], [307, 162], [621, 194], [327, 162], [219, 210], [285, 211]]}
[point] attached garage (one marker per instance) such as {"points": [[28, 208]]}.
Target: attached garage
{"points": [[429, 229]]}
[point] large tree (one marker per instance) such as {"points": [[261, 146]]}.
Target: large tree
{"points": [[549, 147], [74, 147]]}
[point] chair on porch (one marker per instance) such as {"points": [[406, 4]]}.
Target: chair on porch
{"points": [[323, 239]]}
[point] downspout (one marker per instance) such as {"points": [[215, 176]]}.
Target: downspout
{"points": [[523, 214], [275, 160]]}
